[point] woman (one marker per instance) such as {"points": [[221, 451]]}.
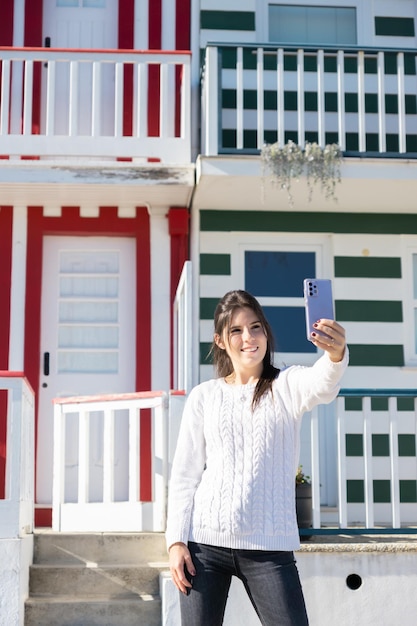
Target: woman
{"points": [[231, 507]]}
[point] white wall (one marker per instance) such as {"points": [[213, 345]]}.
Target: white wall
{"points": [[386, 596], [15, 559]]}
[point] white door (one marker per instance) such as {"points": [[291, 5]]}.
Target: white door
{"points": [[81, 24], [88, 335]]}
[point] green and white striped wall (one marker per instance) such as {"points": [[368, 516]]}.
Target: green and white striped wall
{"points": [[385, 23], [368, 257], [380, 459]]}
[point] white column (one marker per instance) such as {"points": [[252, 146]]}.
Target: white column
{"points": [[160, 298], [17, 74], [18, 289]]}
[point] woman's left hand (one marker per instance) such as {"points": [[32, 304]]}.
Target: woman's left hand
{"points": [[333, 340]]}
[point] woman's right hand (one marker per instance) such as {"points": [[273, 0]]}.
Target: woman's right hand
{"points": [[179, 561]]}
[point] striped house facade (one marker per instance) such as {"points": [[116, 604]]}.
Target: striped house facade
{"points": [[247, 235], [92, 244]]}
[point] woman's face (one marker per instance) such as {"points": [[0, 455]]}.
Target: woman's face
{"points": [[245, 341]]}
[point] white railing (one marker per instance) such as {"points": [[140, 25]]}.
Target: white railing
{"points": [[183, 348], [104, 494], [367, 468], [362, 99], [17, 507], [71, 103], [83, 501]]}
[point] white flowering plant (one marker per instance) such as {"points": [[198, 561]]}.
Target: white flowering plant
{"points": [[289, 162]]}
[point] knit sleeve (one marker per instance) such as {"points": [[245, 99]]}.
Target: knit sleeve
{"points": [[187, 468], [306, 387]]}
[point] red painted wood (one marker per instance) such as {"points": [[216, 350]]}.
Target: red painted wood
{"points": [[6, 220], [154, 43], [33, 37], [6, 23], [43, 517], [126, 41], [108, 224], [182, 42], [140, 395], [8, 374], [99, 50]]}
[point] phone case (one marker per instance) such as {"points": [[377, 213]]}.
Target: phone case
{"points": [[318, 302]]}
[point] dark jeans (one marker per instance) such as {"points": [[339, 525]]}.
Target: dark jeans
{"points": [[270, 579]]}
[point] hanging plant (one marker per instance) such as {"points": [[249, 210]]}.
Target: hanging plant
{"points": [[288, 163]]}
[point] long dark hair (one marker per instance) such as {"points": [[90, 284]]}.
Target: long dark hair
{"points": [[223, 314]]}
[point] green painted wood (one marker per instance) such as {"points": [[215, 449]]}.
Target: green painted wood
{"points": [[368, 311], [394, 26], [217, 264], [269, 221], [353, 403], [205, 359], [354, 445], [382, 491], [376, 355], [355, 491], [374, 393], [367, 267], [227, 20], [207, 308], [408, 491], [379, 404], [405, 404], [380, 445], [406, 445], [352, 531]]}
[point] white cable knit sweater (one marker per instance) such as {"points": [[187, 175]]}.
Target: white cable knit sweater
{"points": [[233, 476]]}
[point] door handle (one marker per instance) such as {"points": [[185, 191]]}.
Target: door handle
{"points": [[47, 44], [46, 363]]}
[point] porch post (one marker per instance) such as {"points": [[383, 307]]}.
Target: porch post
{"points": [[18, 289], [178, 219]]}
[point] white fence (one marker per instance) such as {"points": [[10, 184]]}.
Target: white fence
{"points": [[16, 509], [114, 505], [375, 452], [376, 459], [362, 99], [71, 103]]}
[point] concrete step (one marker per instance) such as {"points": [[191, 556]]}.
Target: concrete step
{"points": [[100, 611], [81, 580], [115, 548], [96, 579]]}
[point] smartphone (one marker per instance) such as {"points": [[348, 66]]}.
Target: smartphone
{"points": [[318, 302]]}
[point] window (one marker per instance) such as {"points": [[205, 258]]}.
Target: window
{"points": [[274, 274], [303, 24]]}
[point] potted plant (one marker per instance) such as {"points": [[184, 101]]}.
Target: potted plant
{"points": [[320, 165], [303, 501]]}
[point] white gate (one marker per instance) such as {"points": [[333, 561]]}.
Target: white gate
{"points": [[117, 508]]}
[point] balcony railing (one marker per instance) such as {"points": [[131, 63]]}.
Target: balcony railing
{"points": [[364, 99], [95, 103], [17, 405]]}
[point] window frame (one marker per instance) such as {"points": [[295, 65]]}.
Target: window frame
{"points": [[364, 17], [277, 242]]}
